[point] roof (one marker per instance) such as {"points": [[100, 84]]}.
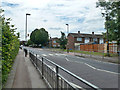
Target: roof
{"points": [[86, 35]]}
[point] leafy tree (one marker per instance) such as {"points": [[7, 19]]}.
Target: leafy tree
{"points": [[39, 36], [62, 41], [111, 12], [10, 47], [29, 42], [18, 35]]}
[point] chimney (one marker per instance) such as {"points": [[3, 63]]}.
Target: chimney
{"points": [[92, 33], [78, 32]]}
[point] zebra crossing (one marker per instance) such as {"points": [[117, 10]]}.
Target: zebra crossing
{"points": [[51, 54]]}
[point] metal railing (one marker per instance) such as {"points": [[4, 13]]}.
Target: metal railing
{"points": [[56, 76]]}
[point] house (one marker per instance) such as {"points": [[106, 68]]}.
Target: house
{"points": [[53, 42], [75, 39]]}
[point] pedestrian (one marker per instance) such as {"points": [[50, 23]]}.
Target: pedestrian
{"points": [[25, 50]]}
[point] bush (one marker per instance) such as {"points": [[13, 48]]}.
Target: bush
{"points": [[10, 47]]}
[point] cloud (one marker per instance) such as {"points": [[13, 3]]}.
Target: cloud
{"points": [[55, 28], [54, 14], [10, 4]]}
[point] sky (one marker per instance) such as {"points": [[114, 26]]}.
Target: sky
{"points": [[53, 15]]}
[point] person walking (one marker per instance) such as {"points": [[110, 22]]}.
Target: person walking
{"points": [[25, 50]]}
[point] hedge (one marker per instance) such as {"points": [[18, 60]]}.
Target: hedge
{"points": [[10, 47]]}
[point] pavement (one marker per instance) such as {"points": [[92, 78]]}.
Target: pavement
{"points": [[24, 74]]}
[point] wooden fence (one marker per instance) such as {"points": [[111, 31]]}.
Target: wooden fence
{"points": [[99, 48]]}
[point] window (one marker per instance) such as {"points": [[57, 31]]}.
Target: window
{"points": [[101, 41], [54, 41], [79, 39], [94, 39], [54, 45], [86, 40]]}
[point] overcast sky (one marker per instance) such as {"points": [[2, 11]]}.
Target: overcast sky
{"points": [[81, 15]]}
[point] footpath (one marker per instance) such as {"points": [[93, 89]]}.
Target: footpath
{"points": [[24, 74]]}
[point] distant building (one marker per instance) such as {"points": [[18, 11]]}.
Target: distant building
{"points": [[53, 42], [75, 39]]}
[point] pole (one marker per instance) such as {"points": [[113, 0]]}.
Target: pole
{"points": [[67, 35], [107, 37], [26, 29]]}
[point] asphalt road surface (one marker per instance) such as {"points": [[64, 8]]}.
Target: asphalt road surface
{"points": [[101, 74]]}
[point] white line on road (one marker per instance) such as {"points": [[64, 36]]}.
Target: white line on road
{"points": [[51, 54], [90, 66], [44, 54], [93, 67], [67, 59], [100, 69]]}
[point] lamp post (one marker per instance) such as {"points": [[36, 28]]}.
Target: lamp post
{"points": [[27, 14], [107, 36], [67, 35]]}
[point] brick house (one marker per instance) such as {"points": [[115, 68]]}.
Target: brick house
{"points": [[75, 39], [53, 42]]}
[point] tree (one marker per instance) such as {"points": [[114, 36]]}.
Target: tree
{"points": [[29, 42], [39, 36], [111, 12], [62, 41]]}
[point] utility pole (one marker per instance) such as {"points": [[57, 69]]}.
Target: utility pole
{"points": [[26, 26], [107, 34], [67, 35]]}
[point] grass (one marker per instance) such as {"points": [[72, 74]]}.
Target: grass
{"points": [[87, 52]]}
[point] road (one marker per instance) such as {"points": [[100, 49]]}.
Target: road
{"points": [[101, 74]]}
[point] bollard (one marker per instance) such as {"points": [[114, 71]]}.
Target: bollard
{"points": [[57, 78]]}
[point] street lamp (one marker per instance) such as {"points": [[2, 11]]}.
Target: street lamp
{"points": [[107, 36], [27, 14], [67, 35], [67, 28]]}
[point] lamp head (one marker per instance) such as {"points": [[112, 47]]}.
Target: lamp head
{"points": [[28, 14], [67, 24]]}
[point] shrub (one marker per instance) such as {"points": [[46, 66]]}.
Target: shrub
{"points": [[10, 47]]}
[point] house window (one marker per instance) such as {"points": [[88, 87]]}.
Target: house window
{"points": [[54, 41], [94, 39], [54, 45], [86, 40], [101, 40], [79, 39]]}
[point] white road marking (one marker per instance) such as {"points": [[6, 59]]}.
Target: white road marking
{"points": [[100, 69], [93, 67], [90, 66], [44, 54], [60, 54], [106, 62], [67, 59], [51, 54]]}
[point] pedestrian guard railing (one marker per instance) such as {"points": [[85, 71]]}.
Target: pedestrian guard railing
{"points": [[58, 77]]}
